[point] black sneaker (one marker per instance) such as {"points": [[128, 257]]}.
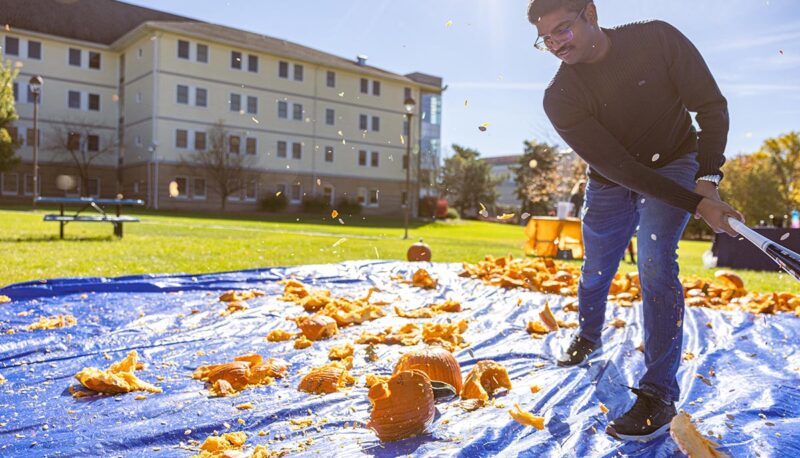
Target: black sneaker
{"points": [[579, 351], [649, 418]]}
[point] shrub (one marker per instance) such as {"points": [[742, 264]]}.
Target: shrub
{"points": [[347, 206], [273, 203], [316, 204], [452, 213]]}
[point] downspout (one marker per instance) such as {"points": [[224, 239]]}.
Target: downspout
{"points": [[154, 134]]}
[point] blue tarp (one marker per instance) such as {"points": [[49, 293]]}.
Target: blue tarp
{"points": [[753, 401]]}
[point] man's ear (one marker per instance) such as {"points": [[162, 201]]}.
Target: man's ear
{"points": [[591, 13]]}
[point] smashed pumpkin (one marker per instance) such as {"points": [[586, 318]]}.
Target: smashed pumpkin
{"points": [[485, 378], [436, 362], [118, 378], [402, 407]]}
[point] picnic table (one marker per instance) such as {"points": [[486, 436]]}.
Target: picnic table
{"points": [[86, 203]]}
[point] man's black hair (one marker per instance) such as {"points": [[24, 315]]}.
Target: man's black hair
{"points": [[539, 8]]}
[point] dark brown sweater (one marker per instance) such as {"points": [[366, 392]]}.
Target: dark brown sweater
{"points": [[629, 113]]}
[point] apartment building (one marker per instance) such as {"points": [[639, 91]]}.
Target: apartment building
{"points": [[504, 169], [144, 90]]}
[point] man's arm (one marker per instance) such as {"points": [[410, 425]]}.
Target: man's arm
{"points": [[700, 94], [604, 153]]}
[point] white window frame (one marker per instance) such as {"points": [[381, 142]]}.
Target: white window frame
{"points": [[25, 178], [139, 97], [193, 94], [27, 50], [258, 63], [80, 100], [361, 196], [197, 53], [99, 183], [247, 103], [333, 192], [377, 198], [183, 194], [287, 104], [196, 196], [188, 94], [99, 102], [294, 111], [137, 140], [377, 156], [366, 158], [301, 151], [230, 103], [175, 138], [333, 117], [325, 154], [292, 200], [246, 141], [178, 49]]}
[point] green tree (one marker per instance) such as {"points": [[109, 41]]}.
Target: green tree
{"points": [[537, 177], [467, 182], [8, 114], [784, 152], [753, 186]]}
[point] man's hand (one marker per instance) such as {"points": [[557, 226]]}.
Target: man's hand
{"points": [[716, 212], [707, 189]]}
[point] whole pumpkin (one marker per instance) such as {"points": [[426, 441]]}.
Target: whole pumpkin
{"points": [[419, 252]]}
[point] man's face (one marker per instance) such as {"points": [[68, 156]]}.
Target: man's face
{"points": [[568, 34]]}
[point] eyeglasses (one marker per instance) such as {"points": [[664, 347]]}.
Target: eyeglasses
{"points": [[562, 35]]}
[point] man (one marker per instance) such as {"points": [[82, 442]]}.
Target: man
{"points": [[576, 197], [622, 99]]}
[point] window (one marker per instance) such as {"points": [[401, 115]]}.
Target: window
{"points": [[236, 102], [30, 136], [405, 161], [297, 150], [183, 94], [252, 63], [283, 110], [12, 49], [281, 149], [373, 197], [407, 94], [94, 102], [331, 79], [362, 158], [10, 185], [138, 140], [183, 49], [12, 132], [250, 146], [376, 88], [364, 86], [138, 97], [30, 95], [139, 55], [328, 154], [200, 97], [29, 185], [362, 122], [252, 104], [34, 49], [75, 57], [376, 124], [298, 72], [280, 189], [327, 193], [199, 188], [283, 69], [330, 116], [74, 100], [181, 138], [236, 60], [94, 60], [93, 143], [250, 191], [362, 196], [202, 56], [374, 159], [200, 141], [234, 142], [297, 191], [183, 187], [297, 113], [73, 141], [15, 89]]}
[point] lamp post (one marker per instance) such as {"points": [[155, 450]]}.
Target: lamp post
{"points": [[35, 86], [409, 105], [153, 148]]}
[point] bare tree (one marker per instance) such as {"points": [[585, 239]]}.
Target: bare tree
{"points": [[82, 143], [226, 166]]}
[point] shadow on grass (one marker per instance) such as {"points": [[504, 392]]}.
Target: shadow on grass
{"points": [[366, 221], [54, 238]]}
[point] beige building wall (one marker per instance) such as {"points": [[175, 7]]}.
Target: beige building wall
{"points": [[148, 104]]}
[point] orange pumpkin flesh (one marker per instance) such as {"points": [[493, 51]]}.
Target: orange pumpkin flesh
{"points": [[547, 317], [484, 379], [691, 442], [437, 363], [401, 407], [317, 327], [326, 379]]}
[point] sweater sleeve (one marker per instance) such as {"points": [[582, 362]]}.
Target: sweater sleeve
{"points": [[700, 94], [595, 144]]}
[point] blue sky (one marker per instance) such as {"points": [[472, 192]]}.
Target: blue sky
{"points": [[487, 57]]}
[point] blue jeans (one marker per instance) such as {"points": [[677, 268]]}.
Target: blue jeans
{"points": [[611, 215]]}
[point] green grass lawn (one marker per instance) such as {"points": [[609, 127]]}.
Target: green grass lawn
{"points": [[198, 243]]}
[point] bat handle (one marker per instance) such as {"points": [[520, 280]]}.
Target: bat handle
{"points": [[754, 237]]}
